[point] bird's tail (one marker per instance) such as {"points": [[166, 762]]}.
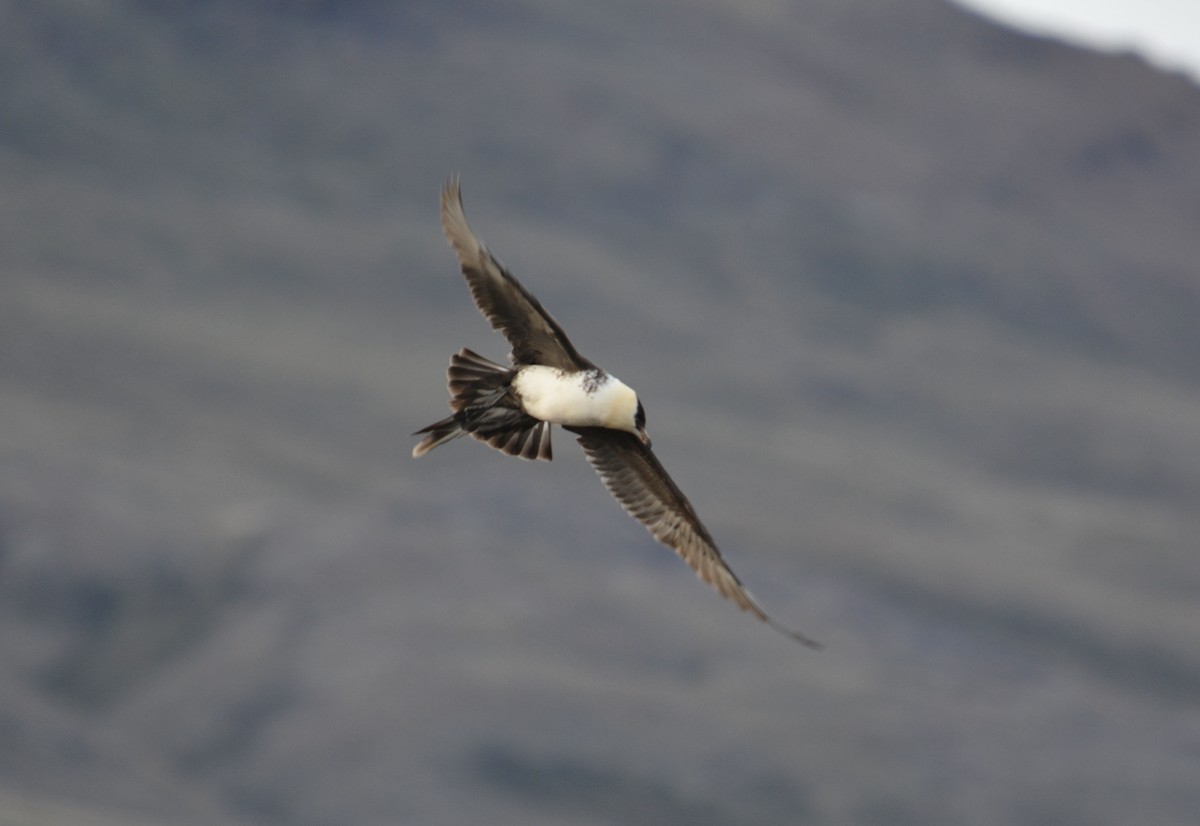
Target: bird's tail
{"points": [[475, 381], [439, 433], [483, 407]]}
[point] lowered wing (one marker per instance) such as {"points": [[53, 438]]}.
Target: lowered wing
{"points": [[633, 474]]}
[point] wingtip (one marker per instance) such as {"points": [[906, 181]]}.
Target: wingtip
{"points": [[451, 190], [755, 607], [454, 224], [451, 202], [803, 639]]}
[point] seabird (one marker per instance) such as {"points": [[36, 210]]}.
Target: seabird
{"points": [[549, 382]]}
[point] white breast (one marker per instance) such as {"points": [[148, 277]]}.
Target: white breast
{"points": [[574, 398]]}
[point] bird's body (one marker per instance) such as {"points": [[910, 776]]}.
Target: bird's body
{"points": [[584, 398], [549, 382]]}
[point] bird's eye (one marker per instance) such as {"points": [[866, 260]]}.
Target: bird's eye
{"points": [[640, 419]]}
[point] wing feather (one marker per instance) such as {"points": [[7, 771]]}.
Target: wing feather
{"points": [[633, 474], [535, 337]]}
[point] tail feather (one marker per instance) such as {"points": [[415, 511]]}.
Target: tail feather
{"points": [[439, 433], [474, 380], [523, 441], [484, 407]]}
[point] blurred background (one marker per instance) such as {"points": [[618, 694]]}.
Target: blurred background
{"points": [[912, 300]]}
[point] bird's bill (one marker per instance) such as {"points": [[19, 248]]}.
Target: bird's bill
{"points": [[645, 439]]}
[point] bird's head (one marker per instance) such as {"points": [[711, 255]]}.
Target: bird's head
{"points": [[639, 424], [626, 412]]}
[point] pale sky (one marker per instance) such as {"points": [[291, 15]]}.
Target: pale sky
{"points": [[1166, 32]]}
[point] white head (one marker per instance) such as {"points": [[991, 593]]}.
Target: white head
{"points": [[625, 411]]}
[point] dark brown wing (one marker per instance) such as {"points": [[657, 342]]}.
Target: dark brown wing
{"points": [[535, 337], [633, 474]]}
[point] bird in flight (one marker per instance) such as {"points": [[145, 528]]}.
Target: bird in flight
{"points": [[549, 382]]}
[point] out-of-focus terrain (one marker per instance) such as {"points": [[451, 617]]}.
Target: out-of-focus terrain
{"points": [[911, 300]]}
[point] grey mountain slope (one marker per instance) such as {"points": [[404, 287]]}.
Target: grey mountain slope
{"points": [[916, 294]]}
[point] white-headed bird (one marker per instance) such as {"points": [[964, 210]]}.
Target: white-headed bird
{"points": [[549, 382]]}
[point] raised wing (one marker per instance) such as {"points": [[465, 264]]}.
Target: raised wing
{"points": [[633, 474], [534, 335]]}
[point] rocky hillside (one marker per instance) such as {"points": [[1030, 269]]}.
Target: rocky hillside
{"points": [[911, 300]]}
